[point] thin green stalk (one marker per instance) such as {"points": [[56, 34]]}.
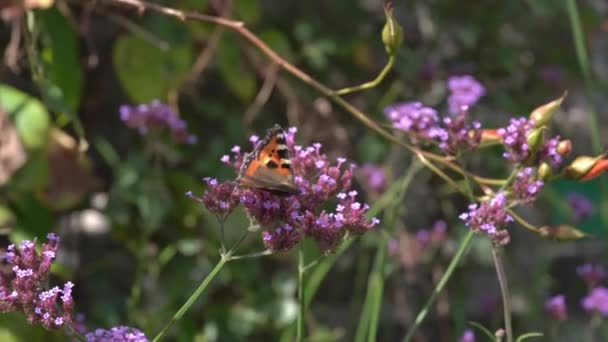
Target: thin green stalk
{"points": [[373, 83], [301, 301], [377, 289], [504, 290], [195, 295], [464, 244]]}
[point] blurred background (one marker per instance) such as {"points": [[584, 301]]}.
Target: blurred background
{"points": [[136, 247]]}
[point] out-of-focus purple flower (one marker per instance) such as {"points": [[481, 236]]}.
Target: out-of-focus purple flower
{"points": [[527, 186], [596, 301], [490, 217], [23, 290], [465, 91], [393, 247], [439, 231], [415, 117], [374, 176], [467, 336], [515, 139], [155, 117], [423, 237], [120, 333], [286, 218], [591, 274], [581, 206], [556, 307]]}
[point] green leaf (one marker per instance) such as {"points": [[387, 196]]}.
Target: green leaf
{"points": [[248, 10], [230, 62], [528, 335], [61, 55], [6, 215], [29, 115], [147, 72], [483, 329]]}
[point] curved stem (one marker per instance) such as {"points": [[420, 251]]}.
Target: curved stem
{"points": [[504, 290], [372, 83], [301, 302], [440, 285]]}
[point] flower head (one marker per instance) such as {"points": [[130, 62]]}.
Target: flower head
{"points": [[458, 134], [287, 218], [556, 307], [416, 118], [591, 274], [596, 301], [515, 139], [581, 206], [374, 176], [467, 336], [490, 217], [120, 333], [527, 186], [23, 288], [465, 91], [156, 116]]}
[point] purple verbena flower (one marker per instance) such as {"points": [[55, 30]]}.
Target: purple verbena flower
{"points": [[416, 118], [156, 116], [22, 289], [556, 307], [374, 176], [457, 134], [515, 139], [596, 301], [120, 333], [465, 91], [467, 336], [581, 206], [527, 186], [285, 218], [549, 152], [489, 217], [439, 231], [591, 274]]}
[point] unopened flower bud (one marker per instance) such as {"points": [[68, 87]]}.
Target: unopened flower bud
{"points": [[490, 137], [543, 114], [535, 139], [564, 147], [561, 233], [596, 170], [580, 167], [392, 33], [544, 171]]}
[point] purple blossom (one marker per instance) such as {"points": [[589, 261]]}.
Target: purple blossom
{"points": [[120, 333], [596, 301], [23, 288], [549, 152], [465, 91], [591, 274], [515, 139], [416, 118], [439, 231], [527, 186], [580, 205], [286, 218], [374, 176], [556, 307], [490, 217], [467, 336], [457, 134], [154, 117]]}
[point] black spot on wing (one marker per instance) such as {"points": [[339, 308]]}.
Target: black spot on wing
{"points": [[283, 154], [272, 165], [285, 166]]}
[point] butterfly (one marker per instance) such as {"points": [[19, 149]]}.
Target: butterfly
{"points": [[268, 166]]}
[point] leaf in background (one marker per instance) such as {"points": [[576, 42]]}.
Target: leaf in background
{"points": [[147, 72], [248, 10], [230, 62], [12, 153], [29, 115], [61, 55], [279, 42]]}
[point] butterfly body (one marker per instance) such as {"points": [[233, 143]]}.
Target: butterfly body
{"points": [[268, 166]]}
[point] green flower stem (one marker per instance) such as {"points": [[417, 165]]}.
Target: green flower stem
{"points": [[371, 84], [301, 301], [195, 295], [504, 290], [440, 285]]}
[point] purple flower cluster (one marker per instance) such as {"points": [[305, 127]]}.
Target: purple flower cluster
{"points": [[457, 134], [465, 91], [596, 301], [527, 186], [435, 235], [490, 217], [155, 117], [517, 149], [416, 118], [467, 336], [581, 206], [374, 177], [22, 288], [120, 333], [287, 218], [591, 274], [556, 307]]}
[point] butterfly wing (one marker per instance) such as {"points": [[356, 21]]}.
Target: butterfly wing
{"points": [[268, 166]]}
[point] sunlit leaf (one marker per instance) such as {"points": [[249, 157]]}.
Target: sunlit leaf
{"points": [[29, 115]]}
